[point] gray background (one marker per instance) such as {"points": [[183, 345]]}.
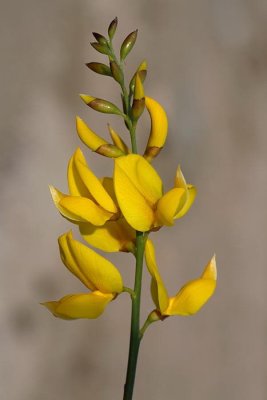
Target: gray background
{"points": [[208, 67]]}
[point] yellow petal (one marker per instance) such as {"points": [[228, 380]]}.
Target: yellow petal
{"points": [[90, 266], [192, 296], [141, 175], [159, 126], [88, 136], [74, 306], [191, 195], [139, 92], [210, 271], [158, 291], [92, 183], [117, 140], [80, 209], [180, 181], [76, 185], [138, 187], [111, 237], [168, 206]]}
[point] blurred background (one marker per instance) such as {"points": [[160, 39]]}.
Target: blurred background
{"points": [[208, 66]]}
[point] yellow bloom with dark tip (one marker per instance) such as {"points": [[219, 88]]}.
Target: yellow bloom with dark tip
{"points": [[190, 298], [98, 274], [139, 192], [88, 200]]}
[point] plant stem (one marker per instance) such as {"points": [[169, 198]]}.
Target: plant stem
{"points": [[135, 337]]}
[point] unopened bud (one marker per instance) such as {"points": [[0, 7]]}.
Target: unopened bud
{"points": [[116, 72], [128, 44], [139, 99], [88, 136], [112, 28], [110, 150], [117, 140], [142, 72], [101, 105], [100, 38], [99, 68], [101, 48]]}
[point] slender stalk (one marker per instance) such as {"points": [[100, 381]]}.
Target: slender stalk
{"points": [[135, 337]]}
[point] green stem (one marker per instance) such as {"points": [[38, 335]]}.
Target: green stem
{"points": [[135, 337]]}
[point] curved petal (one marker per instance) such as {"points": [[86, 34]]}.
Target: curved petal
{"points": [[75, 183], [192, 297], [87, 136], [158, 291], [97, 270], [92, 183], [81, 209], [113, 236], [168, 206], [159, 127], [74, 306], [191, 195]]}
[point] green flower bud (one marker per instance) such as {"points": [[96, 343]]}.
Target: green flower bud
{"points": [[128, 44], [100, 38], [116, 72], [112, 28], [99, 68], [101, 105], [101, 48]]}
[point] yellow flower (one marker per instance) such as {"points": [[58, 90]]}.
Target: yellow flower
{"points": [[113, 235], [139, 192], [97, 273], [88, 201], [190, 298]]}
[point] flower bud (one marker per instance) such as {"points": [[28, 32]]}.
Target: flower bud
{"points": [[112, 28], [101, 105], [99, 68], [110, 150], [128, 44], [100, 38], [101, 48], [87, 136], [116, 72], [139, 99], [142, 71], [117, 140]]}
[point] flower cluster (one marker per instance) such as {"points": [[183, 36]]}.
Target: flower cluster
{"points": [[110, 211]]}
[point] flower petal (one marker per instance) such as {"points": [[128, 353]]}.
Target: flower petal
{"points": [[191, 195], [87, 136], [192, 296], [74, 306], [113, 236], [92, 183], [83, 262], [159, 128], [168, 206], [76, 185], [81, 209], [158, 291], [142, 176]]}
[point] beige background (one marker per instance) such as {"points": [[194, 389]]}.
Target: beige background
{"points": [[208, 67]]}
